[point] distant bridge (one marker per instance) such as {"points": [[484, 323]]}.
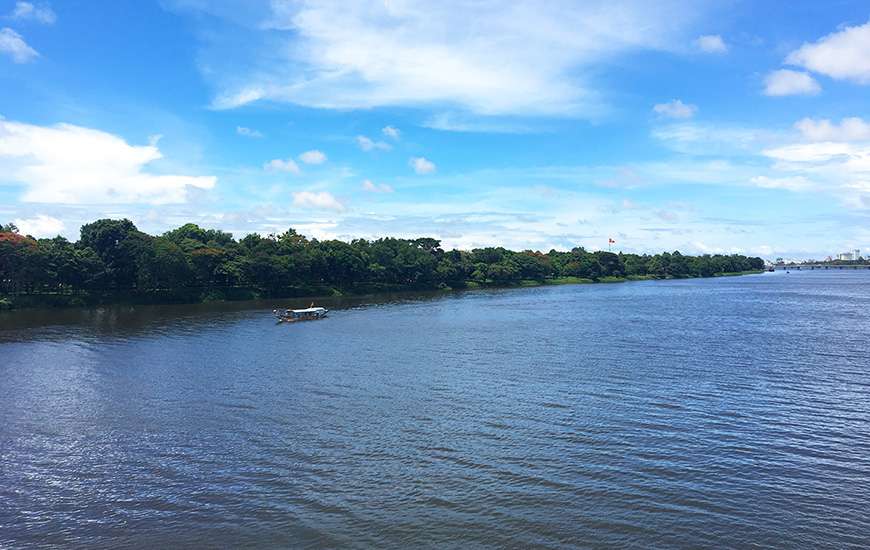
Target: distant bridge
{"points": [[820, 266]]}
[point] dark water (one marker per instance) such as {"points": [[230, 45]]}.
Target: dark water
{"points": [[729, 412]]}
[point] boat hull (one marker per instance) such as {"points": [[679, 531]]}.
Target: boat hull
{"points": [[297, 315]]}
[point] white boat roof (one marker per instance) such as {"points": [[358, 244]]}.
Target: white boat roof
{"points": [[308, 310]]}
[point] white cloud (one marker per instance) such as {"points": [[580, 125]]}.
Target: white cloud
{"points": [[248, 132], [75, 165], [711, 43], [320, 200], [12, 44], [281, 165], [795, 183], [422, 165], [368, 144], [713, 139], [842, 55], [825, 157], [28, 11], [849, 129], [511, 57], [841, 168], [667, 215], [676, 109], [313, 157], [788, 82], [391, 132], [372, 187], [459, 122], [243, 97], [811, 152], [40, 227]]}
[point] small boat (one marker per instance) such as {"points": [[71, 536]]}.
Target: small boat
{"points": [[293, 315]]}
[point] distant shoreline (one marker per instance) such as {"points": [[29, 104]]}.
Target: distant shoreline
{"points": [[115, 263], [45, 300]]}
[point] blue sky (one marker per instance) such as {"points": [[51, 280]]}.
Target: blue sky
{"points": [[699, 126]]}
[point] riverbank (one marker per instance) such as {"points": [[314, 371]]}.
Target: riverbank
{"points": [[304, 293]]}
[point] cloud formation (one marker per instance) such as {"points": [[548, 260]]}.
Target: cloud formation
{"points": [[492, 58], [458, 122], [319, 200], [391, 132], [367, 144], [676, 109], [282, 165], [248, 132], [313, 157], [27, 11], [844, 55], [371, 187], [831, 157], [711, 43], [787, 82], [422, 165], [794, 183], [821, 157], [849, 129], [41, 226], [76, 165], [13, 45], [811, 152]]}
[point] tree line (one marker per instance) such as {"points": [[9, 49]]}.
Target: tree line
{"points": [[113, 255]]}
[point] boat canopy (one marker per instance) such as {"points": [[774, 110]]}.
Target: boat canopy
{"points": [[309, 310]]}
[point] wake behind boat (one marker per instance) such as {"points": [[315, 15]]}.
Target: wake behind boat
{"points": [[293, 315]]}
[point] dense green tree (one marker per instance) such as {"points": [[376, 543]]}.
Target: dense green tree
{"points": [[581, 264], [678, 266], [504, 271], [611, 264], [114, 254], [119, 245], [634, 265], [205, 262], [105, 236], [658, 265], [14, 256], [169, 266], [533, 265]]}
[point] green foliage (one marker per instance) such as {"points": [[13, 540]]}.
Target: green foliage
{"points": [[113, 255]]}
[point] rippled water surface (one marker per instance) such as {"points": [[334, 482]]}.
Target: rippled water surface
{"points": [[700, 413]]}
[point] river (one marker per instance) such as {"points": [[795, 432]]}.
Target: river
{"points": [[692, 413]]}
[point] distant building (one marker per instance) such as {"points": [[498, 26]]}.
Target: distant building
{"points": [[846, 256], [856, 254]]}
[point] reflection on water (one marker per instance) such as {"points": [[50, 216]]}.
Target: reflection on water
{"points": [[129, 319], [722, 412]]}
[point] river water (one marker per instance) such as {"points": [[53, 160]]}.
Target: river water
{"points": [[694, 413]]}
